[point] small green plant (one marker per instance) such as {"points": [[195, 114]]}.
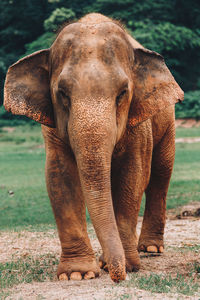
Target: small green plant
{"points": [[124, 297]]}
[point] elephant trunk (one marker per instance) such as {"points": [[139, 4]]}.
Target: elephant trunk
{"points": [[93, 143]]}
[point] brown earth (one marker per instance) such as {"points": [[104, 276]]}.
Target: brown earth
{"points": [[187, 123], [182, 234]]}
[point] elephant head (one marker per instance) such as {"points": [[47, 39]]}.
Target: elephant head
{"points": [[92, 85]]}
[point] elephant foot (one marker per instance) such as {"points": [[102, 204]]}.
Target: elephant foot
{"points": [[151, 245], [133, 262], [151, 249], [77, 269], [77, 276]]}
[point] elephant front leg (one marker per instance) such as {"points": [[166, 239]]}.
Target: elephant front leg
{"points": [[130, 176], [77, 257], [128, 185]]}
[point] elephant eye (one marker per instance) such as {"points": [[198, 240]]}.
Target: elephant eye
{"points": [[65, 98], [120, 96]]}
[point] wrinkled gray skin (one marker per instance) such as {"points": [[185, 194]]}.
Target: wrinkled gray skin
{"points": [[107, 109]]}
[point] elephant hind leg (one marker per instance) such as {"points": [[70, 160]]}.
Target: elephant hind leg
{"points": [[151, 237]]}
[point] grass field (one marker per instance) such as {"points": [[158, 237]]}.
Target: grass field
{"points": [[23, 196], [25, 207], [187, 132]]}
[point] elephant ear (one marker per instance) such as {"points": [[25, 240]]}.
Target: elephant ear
{"points": [[26, 90], [154, 86]]}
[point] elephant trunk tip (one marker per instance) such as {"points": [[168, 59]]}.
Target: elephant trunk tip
{"points": [[117, 272]]}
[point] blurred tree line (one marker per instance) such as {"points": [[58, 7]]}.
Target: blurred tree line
{"points": [[170, 27]]}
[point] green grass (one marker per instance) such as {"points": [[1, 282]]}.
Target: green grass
{"points": [[43, 268], [163, 283], [26, 270], [184, 186], [23, 198], [187, 132], [186, 248]]}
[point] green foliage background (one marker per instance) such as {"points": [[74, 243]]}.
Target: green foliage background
{"points": [[170, 27]]}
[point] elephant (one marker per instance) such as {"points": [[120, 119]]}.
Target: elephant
{"points": [[106, 105]]}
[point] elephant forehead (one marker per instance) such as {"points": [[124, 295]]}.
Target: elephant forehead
{"points": [[80, 30], [80, 43]]}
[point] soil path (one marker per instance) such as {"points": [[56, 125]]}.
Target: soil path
{"points": [[188, 140], [187, 123]]}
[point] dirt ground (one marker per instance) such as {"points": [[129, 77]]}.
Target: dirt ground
{"points": [[187, 123], [182, 231]]}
